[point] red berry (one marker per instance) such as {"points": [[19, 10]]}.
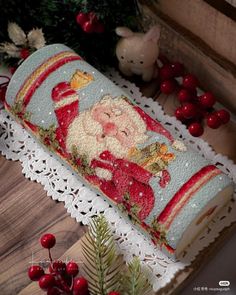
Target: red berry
{"points": [[46, 281], [166, 72], [195, 129], [53, 291], [80, 284], [168, 86], [88, 27], [224, 116], [213, 121], [179, 114], [48, 241], [82, 18], [113, 293], [24, 53], [184, 95], [58, 267], [190, 111], [207, 100], [178, 69], [72, 268], [35, 272], [190, 81]]}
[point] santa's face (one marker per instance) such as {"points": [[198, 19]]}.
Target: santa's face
{"points": [[111, 125], [115, 122]]}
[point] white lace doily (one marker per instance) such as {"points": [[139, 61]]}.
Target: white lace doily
{"points": [[82, 203]]}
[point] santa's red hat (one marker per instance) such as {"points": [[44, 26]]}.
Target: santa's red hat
{"points": [[157, 127]]}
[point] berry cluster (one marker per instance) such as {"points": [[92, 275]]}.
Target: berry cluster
{"points": [[193, 108], [61, 278], [89, 22]]}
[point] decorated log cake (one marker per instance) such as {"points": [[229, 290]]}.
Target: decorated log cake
{"points": [[169, 191]]}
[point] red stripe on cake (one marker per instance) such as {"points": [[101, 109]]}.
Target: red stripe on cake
{"points": [[45, 62], [41, 78], [206, 172]]}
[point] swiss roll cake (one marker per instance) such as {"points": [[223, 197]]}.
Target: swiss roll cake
{"points": [[164, 188]]}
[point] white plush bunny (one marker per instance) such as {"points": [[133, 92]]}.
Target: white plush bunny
{"points": [[137, 52]]}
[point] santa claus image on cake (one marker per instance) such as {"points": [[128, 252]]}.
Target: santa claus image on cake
{"points": [[113, 137]]}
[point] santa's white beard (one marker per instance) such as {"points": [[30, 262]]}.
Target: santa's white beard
{"points": [[83, 133]]}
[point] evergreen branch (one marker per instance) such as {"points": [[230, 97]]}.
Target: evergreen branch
{"points": [[102, 265], [135, 281]]}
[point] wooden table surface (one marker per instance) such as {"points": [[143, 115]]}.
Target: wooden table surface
{"points": [[26, 212]]}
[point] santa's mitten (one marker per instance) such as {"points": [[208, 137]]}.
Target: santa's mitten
{"points": [[66, 105]]}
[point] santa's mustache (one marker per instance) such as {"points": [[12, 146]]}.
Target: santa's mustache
{"points": [[87, 135]]}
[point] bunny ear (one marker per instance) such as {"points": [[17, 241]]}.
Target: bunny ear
{"points": [[124, 32], [153, 34]]}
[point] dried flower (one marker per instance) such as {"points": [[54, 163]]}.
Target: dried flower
{"points": [[36, 38], [16, 34], [11, 49]]}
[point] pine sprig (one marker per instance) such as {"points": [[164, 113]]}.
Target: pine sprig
{"points": [[135, 281], [102, 264]]}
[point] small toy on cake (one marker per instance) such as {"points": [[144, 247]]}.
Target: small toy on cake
{"points": [[93, 126]]}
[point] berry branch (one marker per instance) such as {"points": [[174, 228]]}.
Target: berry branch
{"points": [[105, 270], [61, 278]]}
